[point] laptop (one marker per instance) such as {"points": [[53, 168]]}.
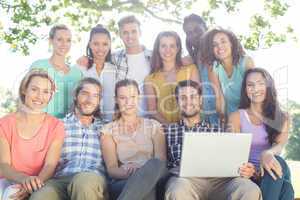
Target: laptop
{"points": [[214, 154]]}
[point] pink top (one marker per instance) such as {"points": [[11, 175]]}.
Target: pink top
{"points": [[28, 155]]}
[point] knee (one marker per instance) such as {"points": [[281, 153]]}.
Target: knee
{"points": [[87, 181], [44, 193], [177, 188], [250, 190], [156, 165]]}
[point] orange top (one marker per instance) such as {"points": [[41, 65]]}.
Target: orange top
{"points": [[28, 155]]}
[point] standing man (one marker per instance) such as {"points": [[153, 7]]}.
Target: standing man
{"points": [[133, 62], [80, 172], [195, 27], [189, 99]]}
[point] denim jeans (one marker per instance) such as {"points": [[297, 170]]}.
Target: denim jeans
{"points": [[141, 185], [279, 189]]}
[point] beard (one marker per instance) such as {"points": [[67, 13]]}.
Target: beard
{"points": [[189, 115], [87, 114]]}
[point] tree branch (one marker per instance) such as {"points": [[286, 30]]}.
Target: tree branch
{"points": [[161, 18], [118, 4]]}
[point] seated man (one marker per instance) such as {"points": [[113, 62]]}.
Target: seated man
{"points": [[189, 100], [80, 172]]}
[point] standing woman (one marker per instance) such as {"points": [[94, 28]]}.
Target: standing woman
{"points": [[134, 148], [222, 52], [64, 76], [100, 67], [166, 71], [260, 115], [30, 139]]}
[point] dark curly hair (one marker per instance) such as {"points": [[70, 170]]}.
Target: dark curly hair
{"points": [[207, 55]]}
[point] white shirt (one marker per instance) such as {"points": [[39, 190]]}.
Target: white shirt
{"points": [[138, 69], [108, 80]]}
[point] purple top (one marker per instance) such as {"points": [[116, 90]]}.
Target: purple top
{"points": [[259, 137]]}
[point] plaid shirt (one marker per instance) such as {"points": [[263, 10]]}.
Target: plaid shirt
{"points": [[119, 59], [81, 149], [174, 133]]}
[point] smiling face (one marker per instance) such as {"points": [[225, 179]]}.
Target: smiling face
{"points": [[38, 93], [100, 45], [130, 35], [256, 87], [168, 49], [189, 101], [61, 42], [222, 46], [88, 99], [128, 99]]}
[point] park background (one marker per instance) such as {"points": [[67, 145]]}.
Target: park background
{"points": [[268, 29]]}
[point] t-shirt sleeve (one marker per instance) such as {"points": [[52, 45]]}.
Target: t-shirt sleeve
{"points": [[59, 131], [5, 129], [3, 134]]}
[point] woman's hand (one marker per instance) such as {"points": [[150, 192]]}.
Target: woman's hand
{"points": [[20, 194], [32, 183], [247, 170], [130, 168], [83, 61], [270, 164]]}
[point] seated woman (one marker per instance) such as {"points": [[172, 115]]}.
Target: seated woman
{"points": [[30, 139], [223, 54], [134, 148], [260, 115], [166, 71], [64, 76], [100, 67]]}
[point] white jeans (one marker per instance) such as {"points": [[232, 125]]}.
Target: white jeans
{"points": [[7, 188]]}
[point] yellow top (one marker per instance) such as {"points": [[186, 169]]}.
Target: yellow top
{"points": [[165, 91]]}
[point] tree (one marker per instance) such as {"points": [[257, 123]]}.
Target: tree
{"points": [[26, 17], [8, 102], [293, 146]]}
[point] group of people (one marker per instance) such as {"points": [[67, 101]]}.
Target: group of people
{"points": [[112, 126]]}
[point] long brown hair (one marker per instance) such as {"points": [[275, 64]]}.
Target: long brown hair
{"points": [[123, 83], [207, 55], [273, 116], [156, 61]]}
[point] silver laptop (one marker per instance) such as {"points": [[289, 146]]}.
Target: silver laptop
{"points": [[214, 154]]}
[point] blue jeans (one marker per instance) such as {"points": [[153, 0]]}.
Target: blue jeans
{"points": [[279, 189], [141, 185]]}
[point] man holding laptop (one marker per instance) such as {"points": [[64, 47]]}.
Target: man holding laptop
{"points": [[188, 95]]}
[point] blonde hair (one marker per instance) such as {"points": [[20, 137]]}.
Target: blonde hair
{"points": [[27, 79], [56, 28]]}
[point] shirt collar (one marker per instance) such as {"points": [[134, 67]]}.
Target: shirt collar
{"points": [[72, 118], [202, 123]]}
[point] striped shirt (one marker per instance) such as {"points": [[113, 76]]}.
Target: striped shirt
{"points": [[175, 133], [81, 150]]}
